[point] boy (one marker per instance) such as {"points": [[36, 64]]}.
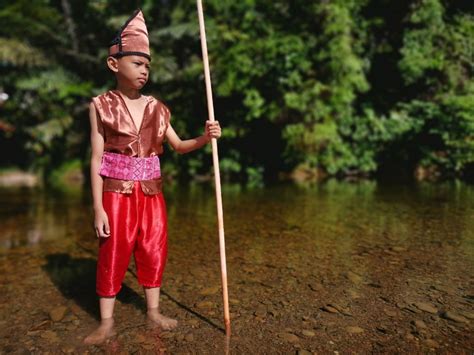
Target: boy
{"points": [[127, 132]]}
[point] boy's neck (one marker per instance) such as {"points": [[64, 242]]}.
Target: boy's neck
{"points": [[130, 93]]}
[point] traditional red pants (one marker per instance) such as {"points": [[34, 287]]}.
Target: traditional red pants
{"points": [[137, 224]]}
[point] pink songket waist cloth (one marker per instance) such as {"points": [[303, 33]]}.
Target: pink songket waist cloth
{"points": [[125, 167]]}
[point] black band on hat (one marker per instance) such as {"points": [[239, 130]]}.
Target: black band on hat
{"points": [[123, 54]]}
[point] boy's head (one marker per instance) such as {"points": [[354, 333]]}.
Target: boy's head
{"points": [[132, 38], [129, 52]]}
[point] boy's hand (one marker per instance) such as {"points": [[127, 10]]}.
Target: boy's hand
{"points": [[213, 130], [101, 224]]}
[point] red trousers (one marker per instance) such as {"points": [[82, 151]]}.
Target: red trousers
{"points": [[137, 225]]}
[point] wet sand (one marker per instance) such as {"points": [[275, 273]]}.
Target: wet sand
{"points": [[334, 268]]}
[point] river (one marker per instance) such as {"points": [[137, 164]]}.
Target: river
{"points": [[335, 267]]}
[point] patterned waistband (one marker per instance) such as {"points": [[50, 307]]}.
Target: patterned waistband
{"points": [[124, 167]]}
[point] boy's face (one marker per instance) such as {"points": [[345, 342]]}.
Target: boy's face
{"points": [[131, 70]]}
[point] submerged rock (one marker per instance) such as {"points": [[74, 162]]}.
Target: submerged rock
{"points": [[454, 317], [292, 338], [354, 330], [426, 307], [56, 314]]}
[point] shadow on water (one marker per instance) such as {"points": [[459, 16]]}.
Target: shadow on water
{"points": [[75, 277]]}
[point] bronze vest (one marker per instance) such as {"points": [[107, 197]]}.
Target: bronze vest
{"points": [[123, 137]]}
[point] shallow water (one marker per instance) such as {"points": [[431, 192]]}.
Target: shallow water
{"points": [[334, 267]]}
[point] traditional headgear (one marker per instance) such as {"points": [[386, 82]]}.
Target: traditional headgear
{"points": [[132, 38]]}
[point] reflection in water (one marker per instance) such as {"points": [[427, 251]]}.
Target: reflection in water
{"points": [[310, 266]]}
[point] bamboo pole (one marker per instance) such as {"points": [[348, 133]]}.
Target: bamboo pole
{"points": [[217, 178]]}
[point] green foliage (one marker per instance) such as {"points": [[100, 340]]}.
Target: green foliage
{"points": [[344, 87]]}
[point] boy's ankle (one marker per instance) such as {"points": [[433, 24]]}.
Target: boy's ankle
{"points": [[108, 320]]}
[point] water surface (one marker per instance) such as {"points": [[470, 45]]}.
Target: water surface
{"points": [[334, 267]]}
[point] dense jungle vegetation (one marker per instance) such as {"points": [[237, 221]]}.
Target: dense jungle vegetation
{"points": [[323, 88]]}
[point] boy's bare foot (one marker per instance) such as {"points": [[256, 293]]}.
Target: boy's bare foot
{"points": [[104, 331], [160, 320]]}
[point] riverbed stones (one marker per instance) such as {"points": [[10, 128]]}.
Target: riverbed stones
{"points": [[390, 312], [353, 277], [432, 343], [315, 286], [205, 304], [193, 322], [329, 308], [467, 314], [57, 313], [426, 307], [453, 316], [354, 330], [419, 324], [292, 338], [49, 335], [308, 333]]}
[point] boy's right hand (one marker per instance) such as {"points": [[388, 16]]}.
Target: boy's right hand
{"points": [[101, 224]]}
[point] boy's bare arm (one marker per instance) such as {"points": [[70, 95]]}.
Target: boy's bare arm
{"points": [[101, 222], [97, 145], [212, 130]]}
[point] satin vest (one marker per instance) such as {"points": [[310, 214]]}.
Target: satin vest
{"points": [[122, 136]]}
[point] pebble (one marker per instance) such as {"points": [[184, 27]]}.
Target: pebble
{"points": [[454, 317], [193, 322], [353, 277], [57, 313], [303, 352], [390, 312], [467, 314], [205, 304], [445, 289], [308, 333], [419, 324], [292, 338], [432, 343], [354, 294], [354, 330], [427, 307], [189, 337], [315, 286], [49, 335], [76, 309], [330, 309]]}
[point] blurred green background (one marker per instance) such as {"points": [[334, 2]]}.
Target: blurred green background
{"points": [[303, 89]]}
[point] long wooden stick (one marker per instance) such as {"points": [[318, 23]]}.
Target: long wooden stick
{"points": [[217, 177]]}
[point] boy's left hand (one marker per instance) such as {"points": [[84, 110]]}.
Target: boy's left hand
{"points": [[213, 130]]}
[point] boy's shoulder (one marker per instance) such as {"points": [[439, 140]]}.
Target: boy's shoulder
{"points": [[158, 101], [109, 95]]}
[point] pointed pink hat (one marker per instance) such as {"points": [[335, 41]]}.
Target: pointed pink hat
{"points": [[132, 38]]}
